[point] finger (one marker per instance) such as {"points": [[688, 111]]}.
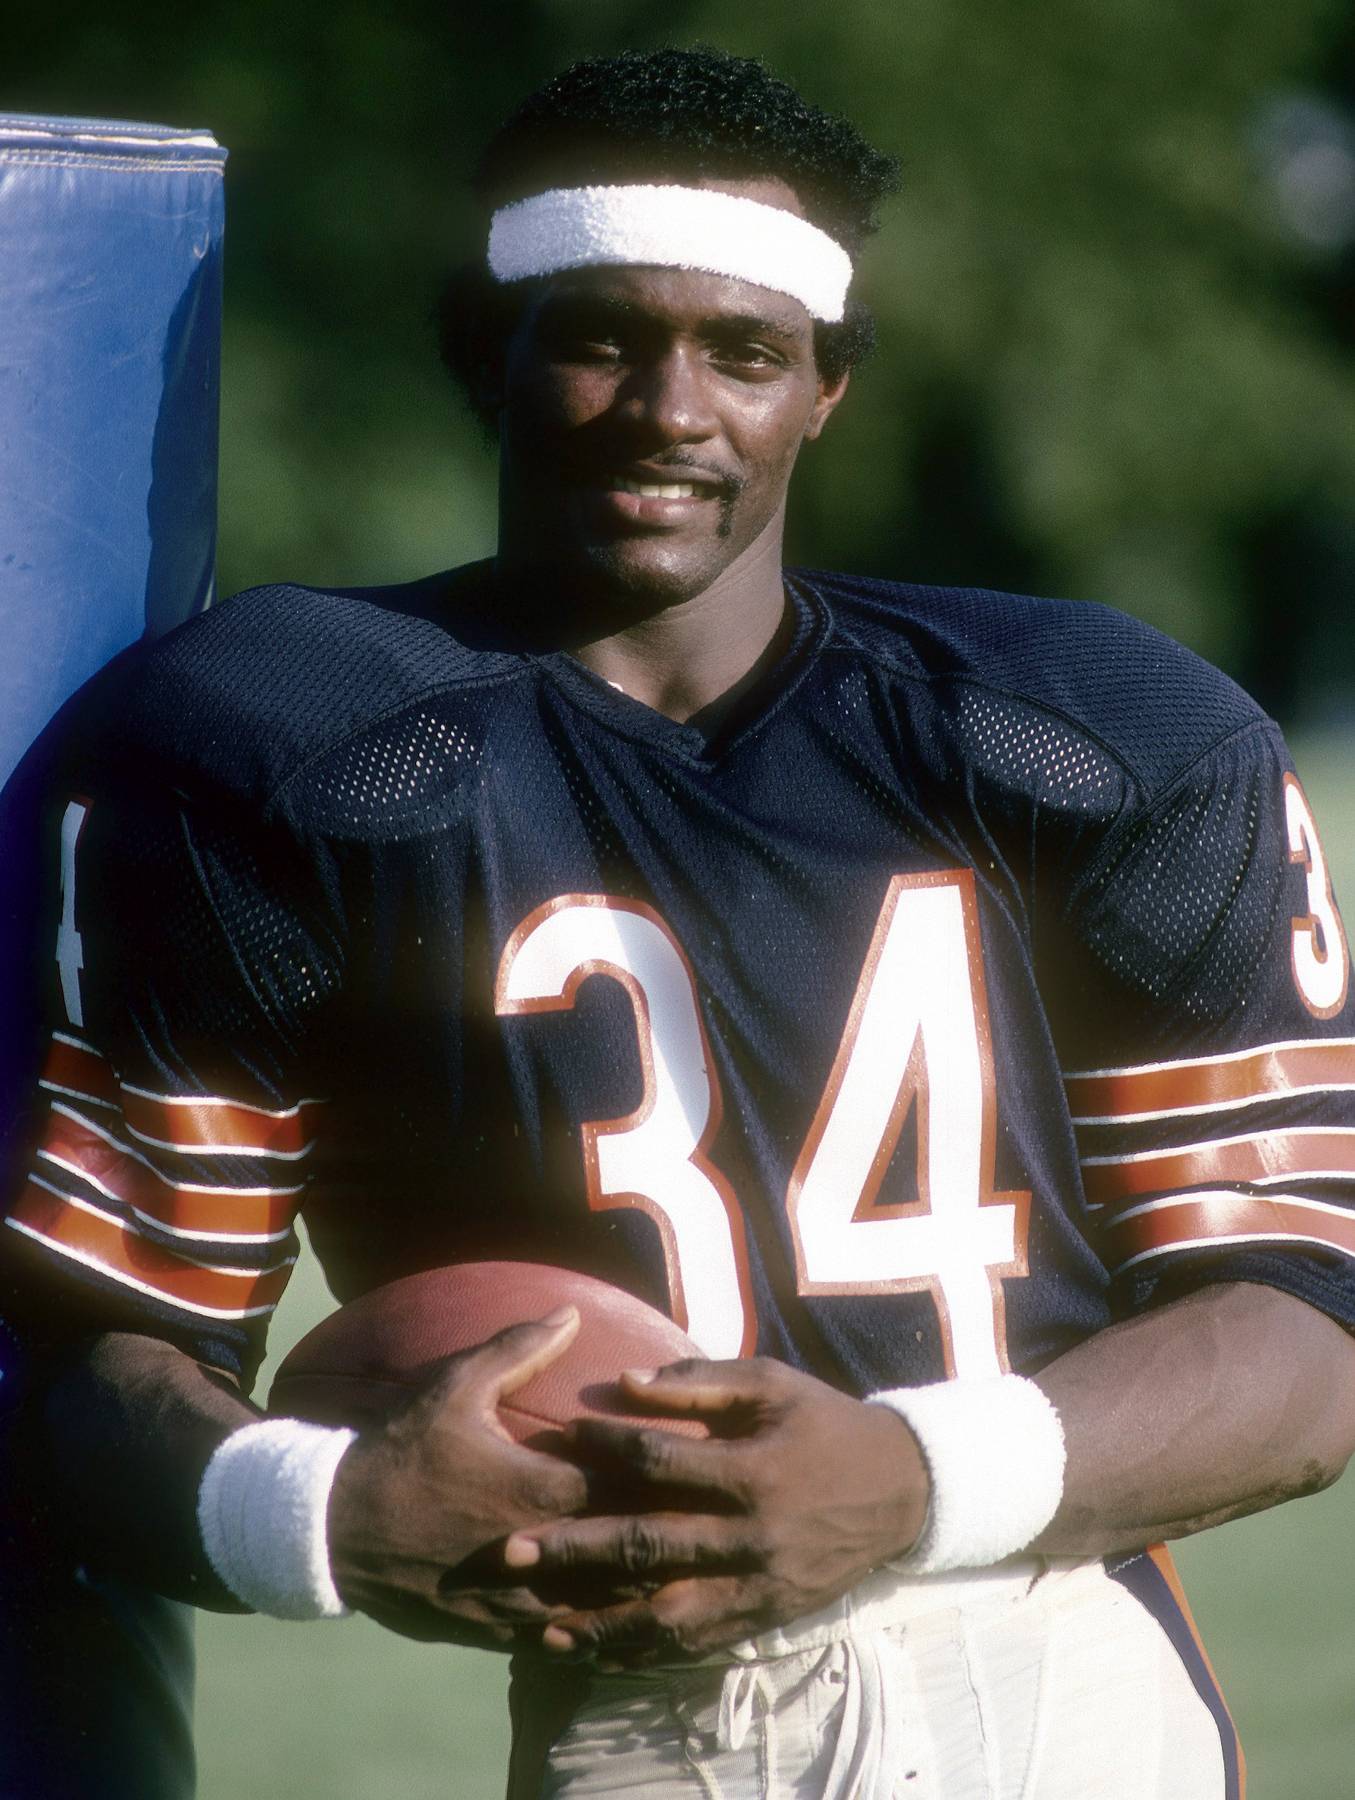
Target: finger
{"points": [[629, 1623], [697, 1616], [697, 1386], [643, 1544], [682, 1619], [659, 1459], [508, 1359], [545, 1483], [485, 1604]]}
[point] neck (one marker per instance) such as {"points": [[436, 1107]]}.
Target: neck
{"points": [[680, 659]]}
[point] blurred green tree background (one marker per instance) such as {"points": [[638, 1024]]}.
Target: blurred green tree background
{"points": [[1117, 304], [1116, 295]]}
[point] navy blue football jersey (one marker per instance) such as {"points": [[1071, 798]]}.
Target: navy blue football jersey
{"points": [[975, 980]]}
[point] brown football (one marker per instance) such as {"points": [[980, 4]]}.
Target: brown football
{"points": [[367, 1357]]}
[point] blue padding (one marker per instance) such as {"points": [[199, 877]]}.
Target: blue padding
{"points": [[110, 322], [110, 271], [110, 327]]}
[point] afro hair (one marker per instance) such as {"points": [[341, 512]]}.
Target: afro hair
{"points": [[664, 115]]}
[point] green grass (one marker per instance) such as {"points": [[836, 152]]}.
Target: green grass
{"points": [[348, 1712], [343, 1710]]}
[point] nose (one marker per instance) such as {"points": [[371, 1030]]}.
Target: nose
{"points": [[668, 398]]}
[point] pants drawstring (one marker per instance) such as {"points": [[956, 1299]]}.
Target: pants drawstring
{"points": [[865, 1751]]}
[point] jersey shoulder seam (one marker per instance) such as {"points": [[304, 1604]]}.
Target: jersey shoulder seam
{"points": [[465, 684], [842, 642], [1262, 726], [269, 799]]}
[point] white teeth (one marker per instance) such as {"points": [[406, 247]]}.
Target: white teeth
{"points": [[652, 490]]}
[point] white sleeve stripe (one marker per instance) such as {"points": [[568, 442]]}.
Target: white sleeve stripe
{"points": [[209, 1149], [1310, 1178], [1208, 1062], [1225, 1218], [178, 1187], [1200, 1145], [154, 1293], [163, 1099], [1226, 1196], [125, 1225], [55, 1087], [1321, 1176], [178, 1231], [1235, 1240], [244, 1106], [1212, 1106]]}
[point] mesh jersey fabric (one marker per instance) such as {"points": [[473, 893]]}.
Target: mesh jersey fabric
{"points": [[937, 1007]]}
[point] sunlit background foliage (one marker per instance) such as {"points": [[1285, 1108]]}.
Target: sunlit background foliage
{"points": [[1117, 305], [1116, 295]]}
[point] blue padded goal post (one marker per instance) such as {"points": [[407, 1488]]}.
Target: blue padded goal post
{"points": [[110, 324]]}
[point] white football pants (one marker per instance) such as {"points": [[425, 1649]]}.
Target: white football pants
{"points": [[1036, 1681]]}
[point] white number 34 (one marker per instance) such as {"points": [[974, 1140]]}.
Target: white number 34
{"points": [[916, 1039]]}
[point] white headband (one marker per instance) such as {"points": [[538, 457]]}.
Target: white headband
{"points": [[672, 228]]}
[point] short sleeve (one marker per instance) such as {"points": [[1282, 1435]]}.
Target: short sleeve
{"points": [[1207, 1034], [193, 957]]}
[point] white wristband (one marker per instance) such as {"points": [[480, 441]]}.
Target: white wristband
{"points": [[994, 1451], [262, 1512]]}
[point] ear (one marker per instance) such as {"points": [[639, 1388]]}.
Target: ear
{"points": [[825, 402]]}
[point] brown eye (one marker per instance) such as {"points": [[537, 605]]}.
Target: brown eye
{"points": [[750, 358], [581, 334], [581, 346]]}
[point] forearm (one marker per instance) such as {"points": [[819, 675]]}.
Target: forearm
{"points": [[1224, 1402], [127, 1430], [1219, 1404]]}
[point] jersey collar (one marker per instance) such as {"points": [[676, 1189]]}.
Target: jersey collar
{"points": [[718, 729]]}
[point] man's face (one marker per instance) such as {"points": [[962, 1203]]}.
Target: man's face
{"points": [[650, 419]]}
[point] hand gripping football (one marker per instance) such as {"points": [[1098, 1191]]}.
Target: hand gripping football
{"points": [[369, 1356]]}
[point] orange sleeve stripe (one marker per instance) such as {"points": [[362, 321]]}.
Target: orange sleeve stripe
{"points": [[79, 1070], [211, 1124], [124, 1256], [235, 1213], [1262, 1156], [195, 1122], [1270, 1072], [1206, 1218]]}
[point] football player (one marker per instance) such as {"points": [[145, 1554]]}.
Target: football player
{"points": [[935, 999]]}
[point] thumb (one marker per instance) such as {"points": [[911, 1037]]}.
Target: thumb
{"points": [[511, 1357]]}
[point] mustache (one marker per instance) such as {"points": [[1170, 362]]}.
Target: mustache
{"points": [[675, 466]]}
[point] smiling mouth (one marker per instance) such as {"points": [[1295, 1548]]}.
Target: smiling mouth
{"points": [[653, 490], [641, 500], [650, 489]]}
